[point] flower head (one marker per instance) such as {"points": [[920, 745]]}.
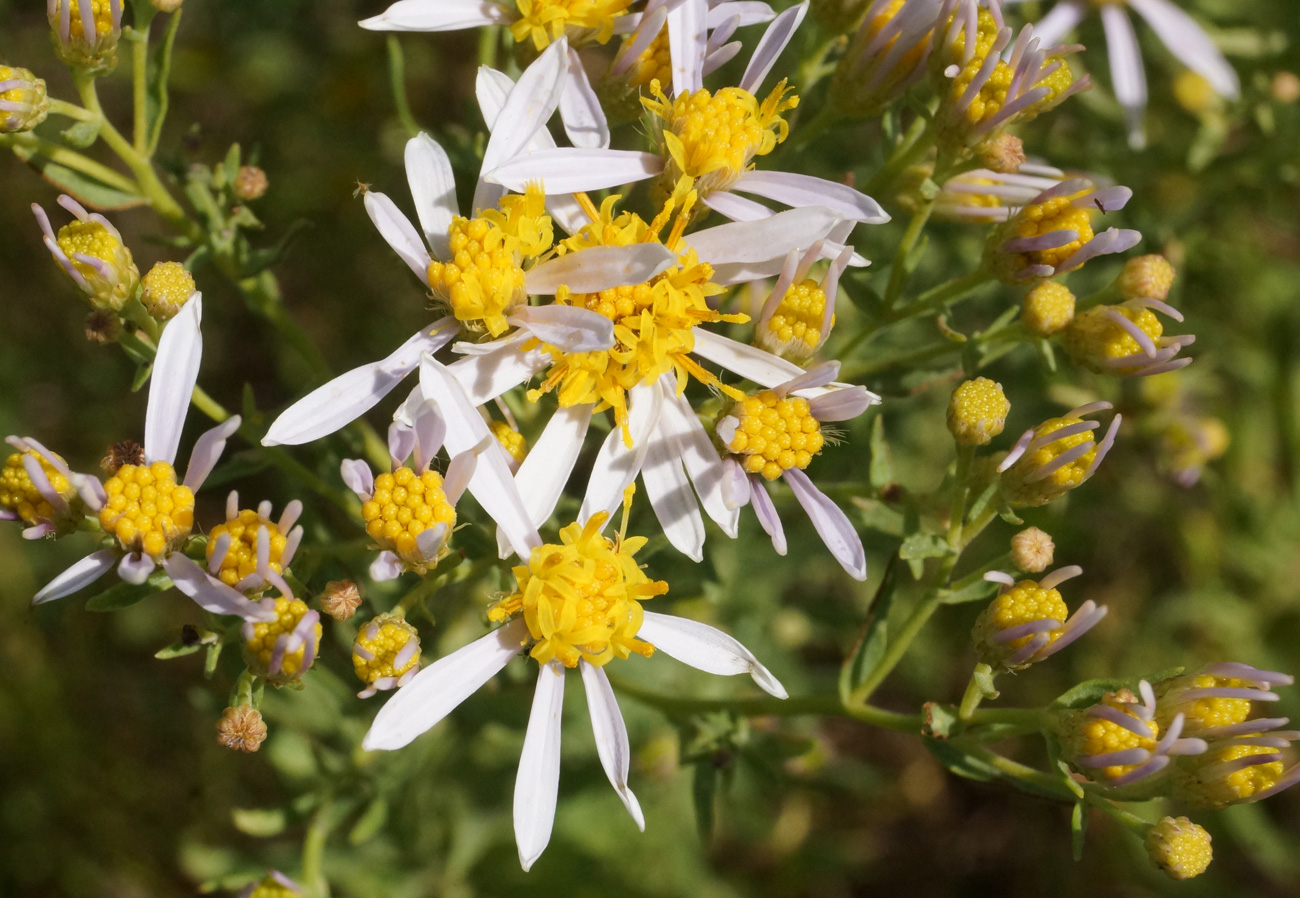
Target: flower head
{"points": [[39, 489], [886, 55], [1047, 309], [1217, 701], [1055, 457], [249, 551], [167, 287], [799, 313], [1126, 339], [1179, 847], [1029, 621], [85, 32], [281, 649], [386, 654], [1032, 550], [977, 411], [90, 251], [985, 195], [1146, 277], [23, 100], [1236, 771]]}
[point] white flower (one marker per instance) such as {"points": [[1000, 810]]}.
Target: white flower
{"points": [[1176, 29]]}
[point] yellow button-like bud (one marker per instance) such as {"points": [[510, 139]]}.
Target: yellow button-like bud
{"points": [[1096, 340], [977, 411], [241, 728], [1179, 847], [875, 70], [281, 650], [23, 100], [1019, 606], [1146, 277], [146, 509], [167, 287], [1048, 309], [771, 434], [1032, 550], [85, 32], [386, 653], [1227, 775], [1086, 735], [794, 329]]}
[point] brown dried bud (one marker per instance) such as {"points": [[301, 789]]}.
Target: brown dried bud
{"points": [[340, 599], [103, 327], [1003, 154], [250, 184], [127, 452], [241, 729], [1286, 87], [1032, 550]]}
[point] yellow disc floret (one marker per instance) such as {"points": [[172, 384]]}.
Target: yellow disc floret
{"points": [[270, 647], [1024, 603], [583, 21], [774, 434], [654, 64], [1179, 847], [101, 12], [241, 558], [510, 439], [1085, 735], [167, 287], [107, 287], [1017, 483], [714, 137], [1056, 214], [1048, 309], [386, 650], [146, 509], [1213, 780], [405, 504], [19, 495], [26, 98], [581, 599], [484, 278], [977, 411], [794, 330], [1094, 338]]}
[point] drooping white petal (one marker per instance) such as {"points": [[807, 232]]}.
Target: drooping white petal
{"points": [[349, 396], [703, 463], [687, 38], [1126, 72], [842, 404], [774, 41], [175, 372], [584, 120], [736, 207], [706, 648], [831, 524], [765, 511], [492, 89], [611, 736], [209, 593], [386, 566], [358, 477], [459, 471], [616, 465], [748, 250], [647, 29], [600, 268], [745, 12], [83, 573], [569, 328], [749, 362], [804, 190], [443, 15], [433, 187], [569, 169], [547, 466], [398, 232], [486, 376], [1188, 41], [529, 105], [207, 451], [492, 484], [721, 56], [537, 784], [439, 688], [670, 491]]}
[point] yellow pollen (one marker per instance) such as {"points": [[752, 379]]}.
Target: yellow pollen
{"points": [[977, 411], [654, 64], [795, 326], [1056, 214], [581, 599], [1179, 847], [1093, 338], [1098, 736], [241, 559], [713, 138], [1048, 309], [167, 287], [510, 439], [260, 646], [403, 506], [101, 11], [1196, 783], [19, 495], [1025, 603], [774, 434], [1203, 715], [484, 278], [584, 21], [1022, 492], [146, 510], [385, 640]]}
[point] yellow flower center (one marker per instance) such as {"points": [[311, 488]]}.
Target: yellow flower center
{"points": [[654, 64], [795, 326], [259, 647], [1205, 714], [510, 439], [403, 506], [241, 558], [100, 10], [1025, 603], [146, 510], [167, 287], [713, 138], [1097, 736], [90, 238], [484, 279], [581, 599], [977, 411], [381, 649], [19, 495], [1093, 338], [986, 32], [1221, 791], [652, 320], [1054, 215], [1048, 309], [584, 21], [1022, 492], [774, 435], [1179, 847]]}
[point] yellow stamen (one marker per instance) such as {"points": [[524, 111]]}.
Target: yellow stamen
{"points": [[583, 21]]}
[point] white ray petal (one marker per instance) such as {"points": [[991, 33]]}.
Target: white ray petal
{"points": [[1059, 22], [584, 120], [486, 376], [1188, 41], [209, 593], [439, 688], [175, 372], [600, 268], [773, 42], [444, 15], [433, 187], [747, 250], [207, 451], [703, 463], [670, 491], [746, 12], [804, 190], [616, 465], [492, 89], [530, 104], [687, 39], [611, 736], [537, 784], [83, 573], [549, 463], [831, 523], [706, 648], [569, 328], [398, 232], [1126, 73], [570, 169]]}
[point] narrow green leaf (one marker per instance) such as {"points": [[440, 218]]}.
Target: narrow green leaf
{"points": [[704, 790], [258, 822], [372, 820], [123, 595], [980, 589], [1078, 828], [82, 134], [82, 187], [874, 636], [961, 763]]}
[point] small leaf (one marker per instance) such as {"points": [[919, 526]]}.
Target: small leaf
{"points": [[260, 259], [924, 545], [941, 721], [961, 763], [210, 662], [142, 372], [80, 186], [1089, 692], [83, 134], [982, 500], [881, 471], [1078, 827], [876, 515], [372, 819], [124, 595], [874, 637], [178, 649], [972, 592], [258, 822]]}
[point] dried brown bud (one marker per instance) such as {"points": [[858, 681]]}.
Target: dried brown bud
{"points": [[103, 326], [250, 184], [1286, 87], [340, 599], [1003, 154], [241, 729], [1031, 550], [127, 452]]}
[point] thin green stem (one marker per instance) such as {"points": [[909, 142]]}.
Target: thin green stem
{"points": [[1027, 778], [970, 701], [27, 145], [140, 86], [898, 274], [313, 849], [1031, 718], [915, 143], [71, 110], [960, 489], [1128, 819], [397, 79]]}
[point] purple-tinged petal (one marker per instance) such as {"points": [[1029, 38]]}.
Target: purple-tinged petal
{"points": [[804, 190], [771, 45], [135, 568], [765, 510], [207, 450], [211, 594], [831, 524], [703, 464], [706, 648], [358, 477], [81, 574], [386, 566]]}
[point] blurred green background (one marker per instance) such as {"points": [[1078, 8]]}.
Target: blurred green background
{"points": [[113, 784]]}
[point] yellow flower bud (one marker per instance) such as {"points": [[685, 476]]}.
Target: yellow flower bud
{"points": [[1048, 309], [977, 412], [23, 101], [1179, 847], [1146, 277], [167, 287]]}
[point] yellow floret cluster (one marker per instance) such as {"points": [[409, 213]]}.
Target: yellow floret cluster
{"points": [[100, 10], [510, 439], [1085, 735], [583, 21], [29, 97], [977, 411], [1196, 784], [167, 287], [241, 559], [1056, 214], [90, 238], [272, 888], [259, 645], [1146, 277], [19, 495], [1093, 338], [146, 510], [654, 64], [1026, 602], [1202, 715], [774, 434], [384, 639], [404, 505], [1179, 847], [795, 327], [1048, 309], [1020, 491]]}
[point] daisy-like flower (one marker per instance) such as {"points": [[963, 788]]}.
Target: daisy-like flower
{"points": [[980, 92], [774, 434], [281, 645], [1118, 742], [1029, 621], [91, 252], [386, 654], [38, 489], [711, 137], [577, 604], [24, 102], [1218, 700], [250, 552], [86, 32], [1176, 29], [1126, 339], [983, 196], [1055, 457], [1053, 233], [796, 319], [142, 508], [885, 56]]}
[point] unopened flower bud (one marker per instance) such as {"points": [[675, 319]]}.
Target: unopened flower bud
{"points": [[977, 411], [85, 32], [167, 287], [166, 5], [1285, 87], [1032, 550], [23, 101], [1003, 154], [250, 184], [90, 252], [1194, 93], [341, 599], [241, 729], [1029, 621], [885, 56], [103, 327], [1048, 309], [1127, 339], [38, 488], [386, 654], [1179, 847], [1055, 457], [1146, 277], [280, 651]]}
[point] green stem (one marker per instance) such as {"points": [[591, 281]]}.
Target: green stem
{"points": [[1034, 781], [820, 123], [915, 143], [1127, 818], [1031, 718], [974, 694], [898, 274], [140, 80], [27, 145], [936, 298], [397, 79], [959, 491], [71, 110], [313, 850]]}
